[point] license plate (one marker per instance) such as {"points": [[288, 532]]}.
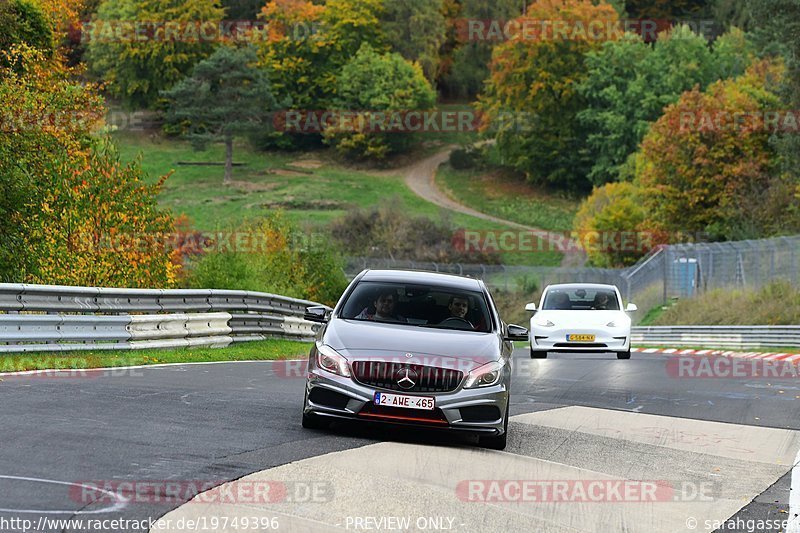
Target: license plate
{"points": [[406, 402], [580, 338]]}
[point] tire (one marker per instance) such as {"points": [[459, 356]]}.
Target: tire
{"points": [[538, 354], [497, 442], [624, 355]]}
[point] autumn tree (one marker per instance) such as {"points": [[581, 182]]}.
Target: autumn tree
{"points": [[702, 169], [66, 198], [178, 35], [226, 96], [610, 226], [307, 46], [538, 76]]}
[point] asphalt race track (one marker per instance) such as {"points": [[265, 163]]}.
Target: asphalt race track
{"points": [[716, 449]]}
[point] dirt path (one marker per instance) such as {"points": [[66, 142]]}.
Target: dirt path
{"points": [[419, 177]]}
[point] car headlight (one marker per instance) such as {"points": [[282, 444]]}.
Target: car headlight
{"points": [[611, 324], [485, 375], [332, 361], [543, 322]]}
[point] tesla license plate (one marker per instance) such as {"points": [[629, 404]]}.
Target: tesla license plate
{"points": [[407, 402], [580, 338]]}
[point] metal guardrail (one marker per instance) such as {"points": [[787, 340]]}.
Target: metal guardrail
{"points": [[55, 318], [740, 337]]}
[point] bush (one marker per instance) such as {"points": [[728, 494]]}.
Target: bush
{"points": [[388, 231], [610, 213], [464, 158], [281, 264]]}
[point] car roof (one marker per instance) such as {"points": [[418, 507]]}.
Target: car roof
{"points": [[421, 277], [568, 286]]}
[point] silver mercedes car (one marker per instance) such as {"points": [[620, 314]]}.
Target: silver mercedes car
{"points": [[413, 348]]}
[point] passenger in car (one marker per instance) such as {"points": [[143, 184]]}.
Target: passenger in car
{"points": [[600, 302], [384, 309]]}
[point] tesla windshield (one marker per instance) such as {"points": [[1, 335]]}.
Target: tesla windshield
{"points": [[428, 306], [581, 299]]}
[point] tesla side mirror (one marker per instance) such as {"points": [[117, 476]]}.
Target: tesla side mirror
{"points": [[516, 333], [531, 307], [317, 313], [631, 308]]}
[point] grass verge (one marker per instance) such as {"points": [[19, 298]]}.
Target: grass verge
{"points": [[268, 350], [312, 189], [775, 304], [498, 194]]}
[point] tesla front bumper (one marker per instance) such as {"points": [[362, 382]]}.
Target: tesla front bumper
{"points": [[480, 410], [555, 339]]}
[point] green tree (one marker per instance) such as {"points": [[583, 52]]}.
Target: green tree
{"points": [[136, 69], [376, 83], [539, 78], [226, 96], [416, 30], [776, 24], [630, 83]]}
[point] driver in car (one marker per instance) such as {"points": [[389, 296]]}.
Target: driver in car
{"points": [[384, 309]]}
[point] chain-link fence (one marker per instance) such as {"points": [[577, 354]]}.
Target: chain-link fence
{"points": [[675, 271]]}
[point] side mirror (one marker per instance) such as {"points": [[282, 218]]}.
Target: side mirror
{"points": [[317, 313], [516, 333], [531, 307], [631, 308]]}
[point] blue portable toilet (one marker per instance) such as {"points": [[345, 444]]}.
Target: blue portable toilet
{"points": [[685, 273]]}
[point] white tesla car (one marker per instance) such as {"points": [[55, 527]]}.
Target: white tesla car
{"points": [[580, 317]]}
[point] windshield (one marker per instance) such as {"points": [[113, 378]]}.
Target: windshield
{"points": [[585, 299], [429, 306]]}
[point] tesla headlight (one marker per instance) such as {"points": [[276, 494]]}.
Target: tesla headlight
{"points": [[330, 360], [485, 375], [543, 322]]}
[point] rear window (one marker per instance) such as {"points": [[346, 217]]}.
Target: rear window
{"points": [[418, 305], [581, 299]]}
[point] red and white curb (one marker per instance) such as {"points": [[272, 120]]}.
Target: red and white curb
{"points": [[768, 356]]}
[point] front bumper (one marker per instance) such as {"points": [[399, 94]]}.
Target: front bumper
{"points": [[554, 339], [341, 397]]}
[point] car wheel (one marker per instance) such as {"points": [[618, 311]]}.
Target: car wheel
{"points": [[624, 355], [497, 442], [538, 354]]}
